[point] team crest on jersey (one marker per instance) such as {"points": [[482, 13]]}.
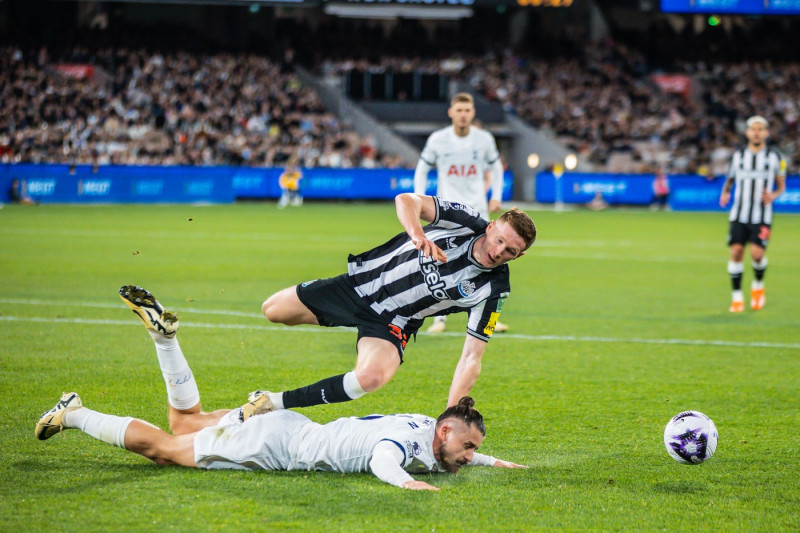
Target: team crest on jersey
{"points": [[466, 288]]}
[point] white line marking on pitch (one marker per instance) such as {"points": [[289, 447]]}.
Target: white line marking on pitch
{"points": [[314, 329]]}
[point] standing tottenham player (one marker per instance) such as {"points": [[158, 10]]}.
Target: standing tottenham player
{"points": [[760, 175], [463, 155]]}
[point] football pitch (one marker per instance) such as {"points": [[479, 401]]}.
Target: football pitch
{"points": [[618, 321]]}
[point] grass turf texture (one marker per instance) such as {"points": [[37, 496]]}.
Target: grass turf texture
{"points": [[619, 321]]}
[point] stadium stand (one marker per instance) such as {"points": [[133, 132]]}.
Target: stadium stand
{"points": [[129, 106]]}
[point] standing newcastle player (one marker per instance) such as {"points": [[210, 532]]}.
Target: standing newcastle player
{"points": [[759, 172]]}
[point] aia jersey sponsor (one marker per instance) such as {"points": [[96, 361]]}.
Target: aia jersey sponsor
{"points": [[461, 163]]}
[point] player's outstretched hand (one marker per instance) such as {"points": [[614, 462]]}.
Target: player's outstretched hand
{"points": [[430, 249], [506, 464], [418, 485], [723, 198]]}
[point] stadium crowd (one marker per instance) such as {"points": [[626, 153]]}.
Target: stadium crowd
{"points": [[173, 109], [220, 108], [605, 105]]}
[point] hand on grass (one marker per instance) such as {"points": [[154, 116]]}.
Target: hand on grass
{"points": [[418, 485]]}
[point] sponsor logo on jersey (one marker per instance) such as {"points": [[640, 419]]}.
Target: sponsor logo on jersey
{"points": [[752, 174], [432, 277], [489, 329], [466, 288], [444, 204], [462, 171]]}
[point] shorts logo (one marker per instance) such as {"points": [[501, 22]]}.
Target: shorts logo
{"points": [[395, 331], [489, 329], [307, 283], [466, 288]]}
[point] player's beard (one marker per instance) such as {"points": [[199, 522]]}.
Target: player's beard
{"points": [[449, 464]]}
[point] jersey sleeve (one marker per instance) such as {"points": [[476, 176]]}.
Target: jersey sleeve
{"points": [[479, 459], [491, 154], [429, 153], [453, 215], [484, 316], [387, 462]]}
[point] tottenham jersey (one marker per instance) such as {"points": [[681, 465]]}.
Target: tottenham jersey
{"points": [[754, 173], [460, 164], [347, 444], [403, 286]]}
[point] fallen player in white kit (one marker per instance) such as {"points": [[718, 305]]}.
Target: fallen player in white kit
{"points": [[389, 446]]}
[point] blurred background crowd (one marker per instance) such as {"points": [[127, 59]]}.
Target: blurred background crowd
{"points": [[182, 98]]}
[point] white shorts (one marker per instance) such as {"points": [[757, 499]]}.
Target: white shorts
{"points": [[262, 442]]}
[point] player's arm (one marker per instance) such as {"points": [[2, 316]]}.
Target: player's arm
{"points": [[725, 195], [410, 209], [496, 171], [467, 370], [479, 459], [421, 177], [771, 196], [386, 462]]}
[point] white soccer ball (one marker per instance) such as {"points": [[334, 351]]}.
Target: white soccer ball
{"points": [[691, 437]]}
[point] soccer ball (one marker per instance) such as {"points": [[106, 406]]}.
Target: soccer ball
{"points": [[690, 437]]}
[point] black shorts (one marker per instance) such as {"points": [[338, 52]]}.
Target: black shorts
{"points": [[335, 302], [740, 233]]}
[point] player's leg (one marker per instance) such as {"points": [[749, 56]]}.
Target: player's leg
{"points": [[285, 307], [757, 292], [128, 433], [439, 324], [377, 362], [737, 236], [185, 413], [284, 201]]}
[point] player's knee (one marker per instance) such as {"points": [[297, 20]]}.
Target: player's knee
{"points": [[371, 379]]}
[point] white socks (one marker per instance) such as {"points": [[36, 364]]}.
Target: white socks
{"points": [[352, 387], [735, 268], [182, 390], [107, 428], [277, 399]]}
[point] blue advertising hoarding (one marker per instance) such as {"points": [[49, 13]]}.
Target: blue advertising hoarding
{"points": [[741, 7], [688, 192], [177, 184]]}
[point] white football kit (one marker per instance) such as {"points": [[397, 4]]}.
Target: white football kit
{"points": [[287, 440], [461, 163]]}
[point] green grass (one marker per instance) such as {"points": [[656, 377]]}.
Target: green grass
{"points": [[619, 320]]}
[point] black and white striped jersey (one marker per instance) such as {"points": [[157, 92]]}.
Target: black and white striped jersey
{"points": [[754, 173], [399, 283]]}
